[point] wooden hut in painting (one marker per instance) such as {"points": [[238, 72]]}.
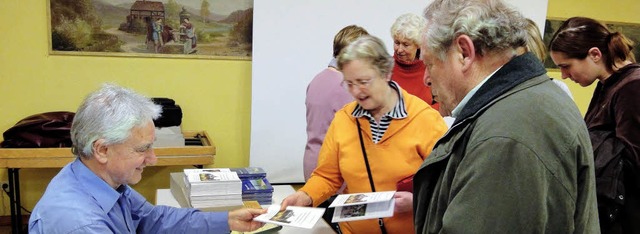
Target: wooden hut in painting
{"points": [[147, 10], [141, 14]]}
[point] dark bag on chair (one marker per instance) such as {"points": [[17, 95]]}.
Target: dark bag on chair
{"points": [[44, 130], [171, 113]]}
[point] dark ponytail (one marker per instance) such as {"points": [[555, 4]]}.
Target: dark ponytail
{"points": [[620, 48]]}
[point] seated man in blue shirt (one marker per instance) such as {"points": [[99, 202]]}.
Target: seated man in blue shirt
{"points": [[113, 134]]}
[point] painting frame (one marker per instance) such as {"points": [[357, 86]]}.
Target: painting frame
{"points": [[630, 30], [88, 28]]}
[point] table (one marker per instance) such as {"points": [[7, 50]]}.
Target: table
{"points": [[14, 159], [164, 197]]}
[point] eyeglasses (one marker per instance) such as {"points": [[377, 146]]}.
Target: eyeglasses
{"points": [[359, 83]]}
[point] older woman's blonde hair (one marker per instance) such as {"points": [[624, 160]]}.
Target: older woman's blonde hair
{"points": [[409, 26], [370, 49]]}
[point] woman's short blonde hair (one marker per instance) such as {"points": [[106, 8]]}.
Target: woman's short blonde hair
{"points": [[409, 26], [370, 49]]}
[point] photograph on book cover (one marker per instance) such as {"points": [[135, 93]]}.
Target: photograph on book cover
{"points": [[212, 29], [353, 211], [283, 216], [363, 211], [630, 30], [294, 216], [356, 198]]}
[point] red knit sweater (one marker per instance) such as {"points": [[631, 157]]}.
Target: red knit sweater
{"points": [[410, 76]]}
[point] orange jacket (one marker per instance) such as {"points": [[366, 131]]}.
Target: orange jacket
{"points": [[403, 147]]}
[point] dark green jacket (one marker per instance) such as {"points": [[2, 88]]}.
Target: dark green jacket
{"points": [[517, 159]]}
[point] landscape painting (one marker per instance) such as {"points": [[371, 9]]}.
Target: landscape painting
{"points": [[220, 29], [630, 30]]}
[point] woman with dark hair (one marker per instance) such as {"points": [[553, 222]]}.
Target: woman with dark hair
{"points": [[586, 51]]}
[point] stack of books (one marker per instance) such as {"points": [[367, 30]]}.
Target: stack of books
{"points": [[255, 186], [212, 187]]}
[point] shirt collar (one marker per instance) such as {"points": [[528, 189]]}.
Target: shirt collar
{"points": [[399, 111], [100, 190], [456, 111], [333, 63]]}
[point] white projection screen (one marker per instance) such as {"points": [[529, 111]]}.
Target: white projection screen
{"points": [[292, 42]]}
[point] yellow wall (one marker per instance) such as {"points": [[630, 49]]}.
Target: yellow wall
{"points": [[214, 94]]}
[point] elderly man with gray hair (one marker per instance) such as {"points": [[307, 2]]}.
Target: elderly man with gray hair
{"points": [[113, 134], [518, 158]]}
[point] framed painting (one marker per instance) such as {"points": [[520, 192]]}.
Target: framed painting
{"points": [[630, 30], [217, 29]]}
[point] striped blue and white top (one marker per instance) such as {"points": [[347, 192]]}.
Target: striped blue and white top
{"points": [[378, 129]]}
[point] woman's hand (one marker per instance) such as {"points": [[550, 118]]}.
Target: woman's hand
{"points": [[404, 202], [297, 199]]}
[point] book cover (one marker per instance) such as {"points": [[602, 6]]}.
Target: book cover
{"points": [[295, 216], [210, 175], [363, 211], [256, 185], [360, 206], [250, 172]]}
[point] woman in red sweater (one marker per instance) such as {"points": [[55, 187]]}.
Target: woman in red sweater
{"points": [[408, 70]]}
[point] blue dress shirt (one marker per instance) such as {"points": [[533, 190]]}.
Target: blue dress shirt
{"points": [[78, 201]]}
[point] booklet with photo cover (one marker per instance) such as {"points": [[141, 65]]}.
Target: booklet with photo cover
{"points": [[294, 216], [360, 206], [267, 228]]}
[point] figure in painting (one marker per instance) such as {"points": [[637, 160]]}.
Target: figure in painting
{"points": [[157, 34], [160, 33], [188, 36]]}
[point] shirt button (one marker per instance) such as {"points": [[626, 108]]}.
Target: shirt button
{"points": [[621, 197]]}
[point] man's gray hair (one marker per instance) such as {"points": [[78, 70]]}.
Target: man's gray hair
{"points": [[109, 113], [493, 25]]}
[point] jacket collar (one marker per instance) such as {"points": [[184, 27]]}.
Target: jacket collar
{"points": [[399, 111], [411, 105], [516, 71]]}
